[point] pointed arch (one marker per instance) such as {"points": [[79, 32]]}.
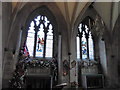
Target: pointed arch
{"points": [[22, 12], [41, 28], [85, 45]]}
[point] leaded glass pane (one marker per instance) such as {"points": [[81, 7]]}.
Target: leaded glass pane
{"points": [[46, 21], [49, 42], [84, 47], [37, 20], [30, 39], [40, 42], [80, 26], [78, 47], [91, 51], [86, 29]]}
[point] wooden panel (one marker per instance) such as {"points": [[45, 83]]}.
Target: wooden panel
{"points": [[92, 81]]}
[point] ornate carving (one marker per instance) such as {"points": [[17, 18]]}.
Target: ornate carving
{"points": [[88, 63], [73, 63], [66, 67]]}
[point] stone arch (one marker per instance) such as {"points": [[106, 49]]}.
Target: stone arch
{"points": [[22, 15], [91, 12], [42, 10]]}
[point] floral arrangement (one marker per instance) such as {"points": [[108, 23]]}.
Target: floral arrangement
{"points": [[88, 63], [40, 63], [18, 78]]}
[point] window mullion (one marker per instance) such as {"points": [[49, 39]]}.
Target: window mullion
{"points": [[80, 38], [93, 48], [45, 38], [87, 46], [35, 42], [54, 40]]}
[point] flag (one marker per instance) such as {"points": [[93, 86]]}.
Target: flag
{"points": [[26, 52]]}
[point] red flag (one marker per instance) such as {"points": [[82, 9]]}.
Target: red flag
{"points": [[26, 53]]}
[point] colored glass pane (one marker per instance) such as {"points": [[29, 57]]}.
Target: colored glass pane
{"points": [[40, 42], [84, 47], [91, 51]]}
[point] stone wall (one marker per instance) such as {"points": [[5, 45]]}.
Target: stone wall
{"points": [[109, 64], [7, 54], [112, 45]]}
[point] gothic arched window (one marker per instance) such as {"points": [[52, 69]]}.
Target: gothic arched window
{"points": [[40, 35], [85, 46]]}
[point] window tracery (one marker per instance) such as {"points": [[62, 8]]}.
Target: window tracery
{"points": [[85, 45], [40, 37]]}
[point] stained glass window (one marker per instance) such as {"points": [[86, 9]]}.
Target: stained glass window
{"points": [[85, 47], [40, 42], [40, 37]]}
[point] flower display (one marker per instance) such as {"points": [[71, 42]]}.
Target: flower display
{"points": [[18, 79]]}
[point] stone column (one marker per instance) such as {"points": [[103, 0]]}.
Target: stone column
{"points": [[73, 63], [0, 45], [112, 72], [8, 69], [59, 60], [103, 56], [17, 48], [7, 54]]}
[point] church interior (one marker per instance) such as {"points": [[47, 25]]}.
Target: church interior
{"points": [[65, 45]]}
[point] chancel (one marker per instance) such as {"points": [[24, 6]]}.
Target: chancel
{"points": [[63, 45]]}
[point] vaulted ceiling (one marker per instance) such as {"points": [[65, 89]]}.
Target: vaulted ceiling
{"points": [[71, 10]]}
